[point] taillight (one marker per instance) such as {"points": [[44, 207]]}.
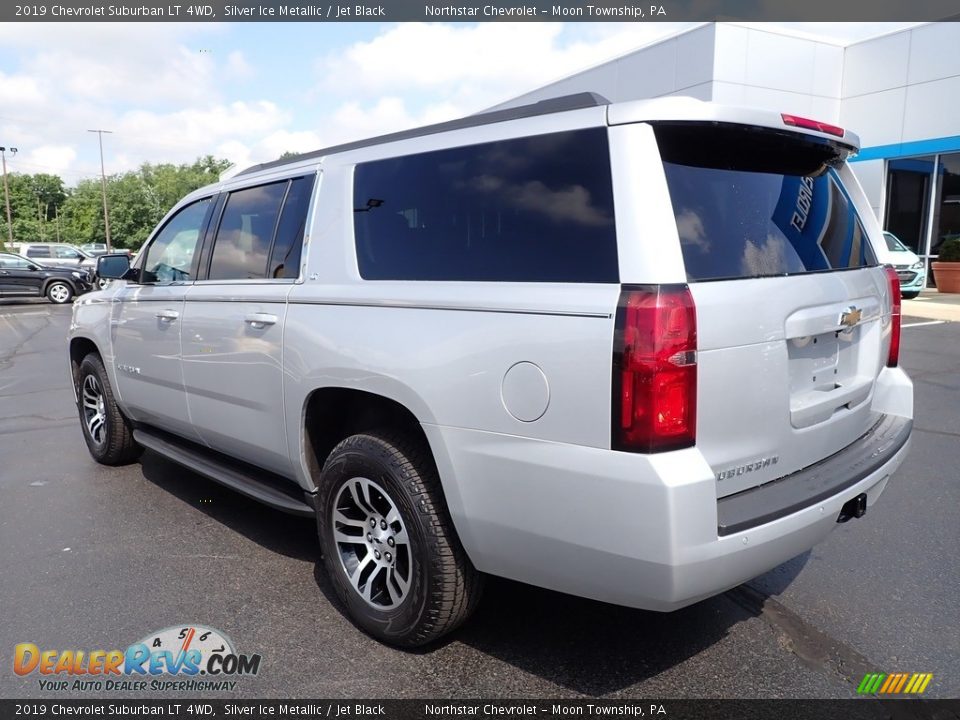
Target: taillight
{"points": [[893, 357], [655, 369], [807, 123]]}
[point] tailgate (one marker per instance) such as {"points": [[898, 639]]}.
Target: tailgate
{"points": [[793, 311]]}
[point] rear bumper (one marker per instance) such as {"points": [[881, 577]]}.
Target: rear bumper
{"points": [[640, 531], [816, 483]]}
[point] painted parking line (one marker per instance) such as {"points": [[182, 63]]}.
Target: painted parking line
{"points": [[921, 324], [24, 314]]}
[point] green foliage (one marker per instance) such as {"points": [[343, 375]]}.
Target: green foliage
{"points": [[137, 201], [950, 250]]}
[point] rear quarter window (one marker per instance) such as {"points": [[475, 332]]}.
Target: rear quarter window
{"points": [[750, 203], [534, 209]]}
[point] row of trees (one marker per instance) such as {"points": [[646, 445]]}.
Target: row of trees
{"points": [[43, 208]]}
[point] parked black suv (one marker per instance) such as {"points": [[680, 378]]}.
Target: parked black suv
{"points": [[22, 277]]}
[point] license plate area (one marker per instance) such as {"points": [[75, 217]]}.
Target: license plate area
{"points": [[824, 375]]}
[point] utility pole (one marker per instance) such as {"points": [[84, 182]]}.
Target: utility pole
{"points": [[103, 184], [6, 190]]}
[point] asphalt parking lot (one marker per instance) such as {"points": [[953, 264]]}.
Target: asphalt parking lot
{"points": [[94, 557]]}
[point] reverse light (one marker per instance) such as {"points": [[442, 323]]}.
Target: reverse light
{"points": [[655, 369], [808, 124], [893, 357]]}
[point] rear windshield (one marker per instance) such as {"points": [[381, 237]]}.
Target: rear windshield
{"points": [[757, 203]]}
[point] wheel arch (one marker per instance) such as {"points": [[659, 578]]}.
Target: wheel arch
{"points": [[331, 414], [80, 347]]}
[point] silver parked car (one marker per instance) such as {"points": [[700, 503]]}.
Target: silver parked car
{"points": [[638, 352]]}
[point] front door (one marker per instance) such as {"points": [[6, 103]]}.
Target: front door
{"points": [[146, 324]]}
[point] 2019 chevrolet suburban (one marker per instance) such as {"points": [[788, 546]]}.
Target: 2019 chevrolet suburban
{"points": [[636, 352]]}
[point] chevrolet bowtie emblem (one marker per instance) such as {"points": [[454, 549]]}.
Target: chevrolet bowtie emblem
{"points": [[851, 316]]}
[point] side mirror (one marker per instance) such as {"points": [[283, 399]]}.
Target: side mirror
{"points": [[113, 267]]}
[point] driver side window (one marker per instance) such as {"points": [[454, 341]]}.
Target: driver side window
{"points": [[170, 256]]}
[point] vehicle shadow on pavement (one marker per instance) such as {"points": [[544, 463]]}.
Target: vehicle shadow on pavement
{"points": [[289, 535], [595, 648]]}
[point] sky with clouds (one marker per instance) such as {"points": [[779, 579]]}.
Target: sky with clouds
{"points": [[247, 92]]}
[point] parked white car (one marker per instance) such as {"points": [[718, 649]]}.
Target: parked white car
{"points": [[909, 266], [639, 352]]}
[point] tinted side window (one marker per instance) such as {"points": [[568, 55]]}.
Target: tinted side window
{"points": [[170, 255], [285, 256], [38, 252], [246, 231], [12, 262], [66, 253], [537, 209]]}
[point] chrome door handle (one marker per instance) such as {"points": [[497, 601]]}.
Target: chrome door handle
{"points": [[259, 320], [168, 315]]}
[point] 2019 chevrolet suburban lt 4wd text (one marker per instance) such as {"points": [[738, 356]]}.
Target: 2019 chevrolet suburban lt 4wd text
{"points": [[636, 352]]}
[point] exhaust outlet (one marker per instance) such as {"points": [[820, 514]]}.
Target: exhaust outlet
{"points": [[855, 508]]}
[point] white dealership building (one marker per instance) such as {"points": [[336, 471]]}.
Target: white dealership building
{"points": [[899, 92]]}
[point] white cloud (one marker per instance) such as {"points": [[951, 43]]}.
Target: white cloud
{"points": [[472, 67], [237, 66], [182, 135], [55, 158], [19, 91]]}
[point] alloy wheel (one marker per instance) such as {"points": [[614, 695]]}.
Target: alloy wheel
{"points": [[372, 543], [60, 293], [94, 413]]}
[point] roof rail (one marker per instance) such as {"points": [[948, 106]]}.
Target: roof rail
{"points": [[543, 107]]}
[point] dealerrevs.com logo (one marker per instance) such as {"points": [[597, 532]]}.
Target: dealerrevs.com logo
{"points": [[186, 657]]}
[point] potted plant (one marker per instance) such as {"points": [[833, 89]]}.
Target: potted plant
{"points": [[946, 268]]}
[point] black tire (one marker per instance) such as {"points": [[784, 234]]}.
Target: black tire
{"points": [[910, 295], [59, 292], [110, 441], [443, 586]]}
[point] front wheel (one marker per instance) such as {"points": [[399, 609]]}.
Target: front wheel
{"points": [[910, 295], [106, 431], [388, 542], [59, 292]]}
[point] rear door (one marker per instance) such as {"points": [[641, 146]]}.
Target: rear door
{"points": [[234, 320], [19, 276], [793, 309]]}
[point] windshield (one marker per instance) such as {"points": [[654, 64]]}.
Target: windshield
{"points": [[893, 244]]}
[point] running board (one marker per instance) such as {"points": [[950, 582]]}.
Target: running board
{"points": [[232, 477]]}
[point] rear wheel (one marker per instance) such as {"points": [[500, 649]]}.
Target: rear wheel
{"points": [[59, 292], [106, 431], [388, 541]]}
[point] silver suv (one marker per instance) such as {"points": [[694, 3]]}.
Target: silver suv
{"points": [[639, 352], [59, 255]]}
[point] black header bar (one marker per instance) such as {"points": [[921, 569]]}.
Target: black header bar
{"points": [[588, 709], [498, 10]]}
